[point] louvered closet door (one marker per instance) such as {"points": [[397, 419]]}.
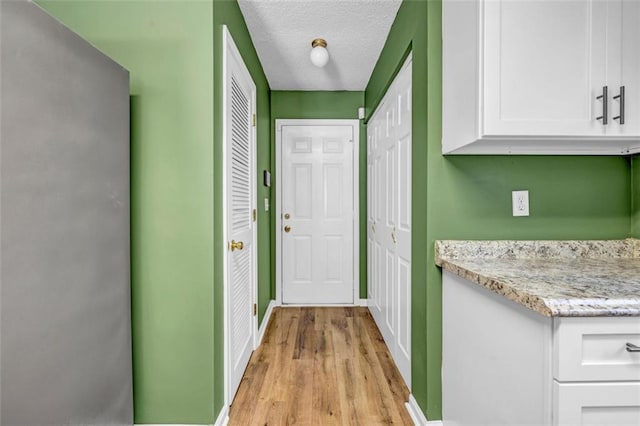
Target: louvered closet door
{"points": [[389, 219], [241, 257]]}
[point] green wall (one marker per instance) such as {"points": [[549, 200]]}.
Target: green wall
{"points": [[465, 197], [319, 105], [168, 48]]}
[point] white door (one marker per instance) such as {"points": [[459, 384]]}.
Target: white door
{"points": [[545, 65], [239, 172], [389, 219], [317, 209]]}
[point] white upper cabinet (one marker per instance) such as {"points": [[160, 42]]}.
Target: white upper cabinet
{"points": [[541, 76]]}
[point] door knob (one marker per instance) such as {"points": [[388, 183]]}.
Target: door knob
{"points": [[287, 228], [236, 245], [287, 216]]}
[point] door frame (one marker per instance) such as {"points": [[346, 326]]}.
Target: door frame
{"points": [[229, 49], [355, 124]]}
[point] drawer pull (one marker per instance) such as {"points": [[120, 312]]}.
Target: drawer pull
{"points": [[632, 348]]}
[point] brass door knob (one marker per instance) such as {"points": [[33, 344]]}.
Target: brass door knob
{"points": [[287, 228], [287, 216], [236, 245]]}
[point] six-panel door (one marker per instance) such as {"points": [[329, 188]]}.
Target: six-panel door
{"points": [[389, 219], [317, 214]]}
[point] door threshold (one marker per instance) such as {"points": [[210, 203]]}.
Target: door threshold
{"points": [[360, 302]]}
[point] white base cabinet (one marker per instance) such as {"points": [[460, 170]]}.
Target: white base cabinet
{"points": [[541, 77], [503, 364]]}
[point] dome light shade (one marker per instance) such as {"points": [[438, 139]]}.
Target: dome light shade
{"points": [[319, 53]]}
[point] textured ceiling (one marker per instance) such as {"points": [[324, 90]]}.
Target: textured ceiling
{"points": [[355, 31]]}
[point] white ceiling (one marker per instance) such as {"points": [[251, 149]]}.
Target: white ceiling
{"points": [[355, 31]]}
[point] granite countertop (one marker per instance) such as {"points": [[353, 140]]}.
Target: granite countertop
{"points": [[553, 278]]}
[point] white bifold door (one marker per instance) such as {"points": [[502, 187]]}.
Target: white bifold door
{"points": [[317, 212], [239, 199], [389, 219]]}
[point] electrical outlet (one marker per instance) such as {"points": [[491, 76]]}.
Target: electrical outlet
{"points": [[520, 203], [266, 204]]}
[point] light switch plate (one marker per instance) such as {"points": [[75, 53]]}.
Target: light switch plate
{"points": [[520, 203]]}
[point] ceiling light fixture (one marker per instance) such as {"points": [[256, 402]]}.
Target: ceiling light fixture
{"points": [[319, 52]]}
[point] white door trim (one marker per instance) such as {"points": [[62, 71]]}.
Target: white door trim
{"points": [[229, 48], [356, 198]]}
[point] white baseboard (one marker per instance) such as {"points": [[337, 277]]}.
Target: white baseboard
{"points": [[417, 415], [223, 417], [363, 302], [265, 321]]}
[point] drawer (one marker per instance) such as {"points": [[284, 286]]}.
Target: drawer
{"points": [[594, 349], [602, 404]]}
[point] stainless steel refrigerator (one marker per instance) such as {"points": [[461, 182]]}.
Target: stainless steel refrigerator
{"points": [[65, 316]]}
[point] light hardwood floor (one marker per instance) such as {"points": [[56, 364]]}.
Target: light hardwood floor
{"points": [[321, 366]]}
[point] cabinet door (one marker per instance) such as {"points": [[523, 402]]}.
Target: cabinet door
{"points": [[602, 404], [623, 65], [544, 66]]}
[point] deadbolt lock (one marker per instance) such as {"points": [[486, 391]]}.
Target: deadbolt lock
{"points": [[287, 228], [287, 216]]}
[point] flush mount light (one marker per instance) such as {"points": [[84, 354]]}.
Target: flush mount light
{"points": [[319, 52]]}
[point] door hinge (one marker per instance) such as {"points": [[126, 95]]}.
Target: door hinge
{"points": [[254, 215], [253, 122], [255, 309]]}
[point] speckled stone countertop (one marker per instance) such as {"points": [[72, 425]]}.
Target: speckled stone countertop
{"points": [[553, 278]]}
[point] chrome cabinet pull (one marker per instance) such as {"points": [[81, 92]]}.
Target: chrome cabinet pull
{"points": [[632, 348], [621, 97], [605, 107]]}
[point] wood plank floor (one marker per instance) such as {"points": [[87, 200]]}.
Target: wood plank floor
{"points": [[321, 366]]}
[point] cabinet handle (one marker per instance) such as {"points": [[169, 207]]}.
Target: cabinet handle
{"points": [[621, 97], [632, 348], [605, 107]]}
